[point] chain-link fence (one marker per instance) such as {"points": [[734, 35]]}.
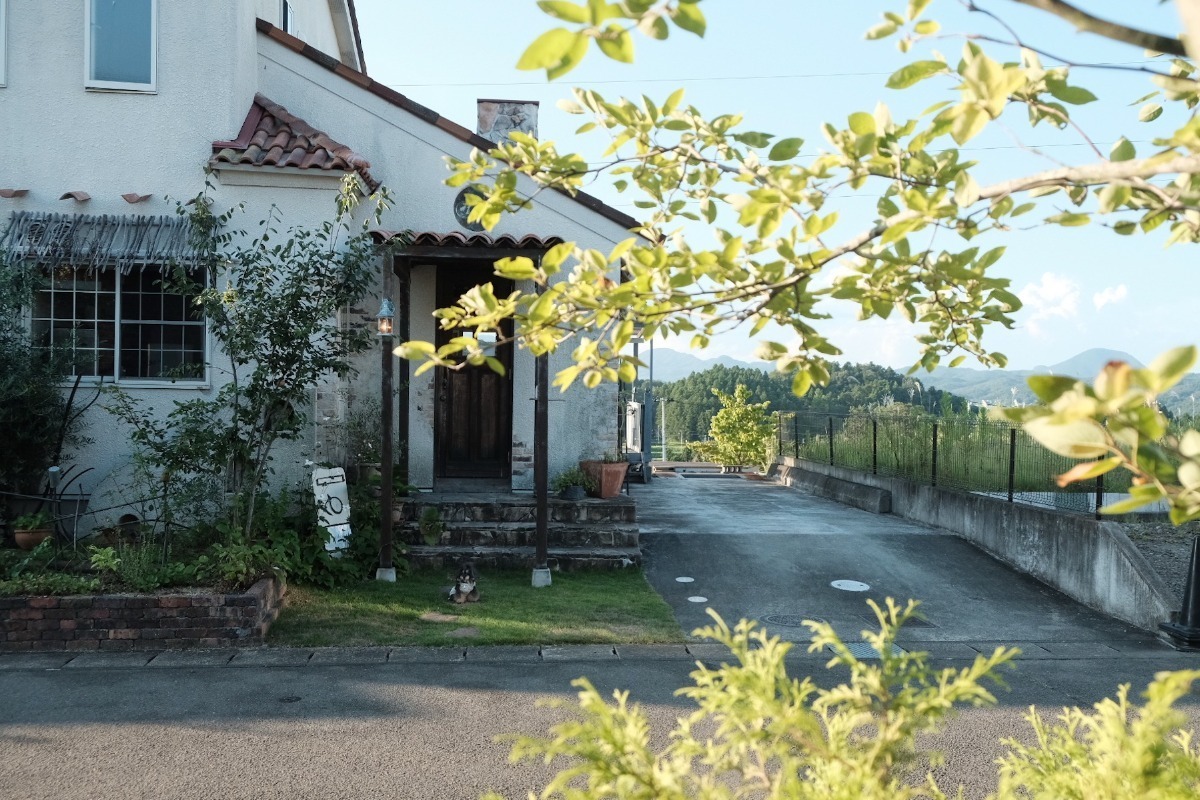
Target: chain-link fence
{"points": [[970, 455]]}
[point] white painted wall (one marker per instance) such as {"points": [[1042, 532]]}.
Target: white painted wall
{"points": [[408, 155], [55, 137], [315, 23]]}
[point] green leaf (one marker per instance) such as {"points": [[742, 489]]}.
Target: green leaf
{"points": [[785, 149], [915, 7], [689, 17], [915, 72], [1075, 95], [882, 30], [1049, 388], [1069, 220], [618, 46], [1122, 150], [862, 123], [1150, 112], [1081, 438], [548, 50], [568, 12], [968, 124], [1172, 365], [926, 27]]}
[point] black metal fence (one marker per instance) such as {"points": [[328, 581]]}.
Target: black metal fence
{"points": [[970, 455]]}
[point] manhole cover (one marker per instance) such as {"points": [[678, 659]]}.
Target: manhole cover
{"points": [[913, 622], [862, 650], [685, 580], [789, 620], [697, 599], [851, 586]]}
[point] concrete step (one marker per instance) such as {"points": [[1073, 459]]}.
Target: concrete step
{"points": [[566, 559], [524, 534], [515, 508]]}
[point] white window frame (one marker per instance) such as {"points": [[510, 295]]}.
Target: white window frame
{"points": [[201, 380], [287, 18], [120, 86], [3, 42]]}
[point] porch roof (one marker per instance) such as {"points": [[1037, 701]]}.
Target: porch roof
{"points": [[455, 244], [272, 136]]}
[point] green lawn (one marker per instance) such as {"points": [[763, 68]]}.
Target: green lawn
{"points": [[579, 608]]}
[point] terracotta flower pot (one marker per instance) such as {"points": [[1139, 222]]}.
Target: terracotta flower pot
{"points": [[607, 475], [29, 538]]}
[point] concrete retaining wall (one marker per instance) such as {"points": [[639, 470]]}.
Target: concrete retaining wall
{"points": [[1089, 560], [137, 622]]}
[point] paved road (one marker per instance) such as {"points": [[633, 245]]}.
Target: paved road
{"points": [[419, 723]]}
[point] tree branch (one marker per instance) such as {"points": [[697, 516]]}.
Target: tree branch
{"points": [[1087, 23]]}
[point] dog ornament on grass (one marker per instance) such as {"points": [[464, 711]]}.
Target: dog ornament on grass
{"points": [[466, 585]]}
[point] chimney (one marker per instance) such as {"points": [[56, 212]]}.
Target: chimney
{"points": [[499, 118]]}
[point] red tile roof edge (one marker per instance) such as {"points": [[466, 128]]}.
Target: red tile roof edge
{"points": [[528, 241], [427, 114]]}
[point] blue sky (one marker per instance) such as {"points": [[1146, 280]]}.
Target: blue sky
{"points": [[788, 68]]}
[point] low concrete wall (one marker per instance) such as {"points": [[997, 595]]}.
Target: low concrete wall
{"points": [[1089, 560], [138, 621], [846, 492]]}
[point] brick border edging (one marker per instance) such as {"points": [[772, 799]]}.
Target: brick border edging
{"points": [[136, 622]]}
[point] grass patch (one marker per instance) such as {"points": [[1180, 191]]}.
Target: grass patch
{"points": [[579, 608]]}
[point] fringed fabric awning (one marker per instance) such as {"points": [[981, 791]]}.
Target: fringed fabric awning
{"points": [[123, 243]]}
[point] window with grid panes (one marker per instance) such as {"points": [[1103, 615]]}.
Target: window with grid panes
{"points": [[122, 326]]}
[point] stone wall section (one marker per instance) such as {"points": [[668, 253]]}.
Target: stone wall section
{"points": [[139, 622]]}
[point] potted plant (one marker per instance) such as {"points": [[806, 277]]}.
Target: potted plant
{"points": [[30, 530], [608, 473], [573, 484]]}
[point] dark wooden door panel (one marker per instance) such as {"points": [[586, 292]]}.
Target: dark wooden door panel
{"points": [[474, 411]]}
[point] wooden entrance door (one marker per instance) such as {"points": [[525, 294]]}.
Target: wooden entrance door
{"points": [[473, 435]]}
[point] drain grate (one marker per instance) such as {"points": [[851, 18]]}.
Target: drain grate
{"points": [[913, 622], [789, 620], [864, 651]]}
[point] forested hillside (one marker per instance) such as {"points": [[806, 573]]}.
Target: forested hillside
{"points": [[852, 387]]}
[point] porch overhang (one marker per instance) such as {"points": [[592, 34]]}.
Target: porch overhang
{"points": [[456, 245]]}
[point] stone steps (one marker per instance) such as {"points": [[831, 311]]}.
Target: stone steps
{"points": [[500, 530], [524, 534], [558, 558]]}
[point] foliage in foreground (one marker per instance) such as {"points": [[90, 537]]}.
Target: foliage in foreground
{"points": [[759, 733], [782, 256]]}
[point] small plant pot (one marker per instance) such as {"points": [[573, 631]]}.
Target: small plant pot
{"points": [[573, 493], [29, 538], [607, 475]]}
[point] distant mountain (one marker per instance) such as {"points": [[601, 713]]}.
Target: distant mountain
{"points": [[1007, 387], [673, 365]]}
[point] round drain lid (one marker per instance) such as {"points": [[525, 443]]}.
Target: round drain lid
{"points": [[685, 580], [697, 599], [850, 586]]}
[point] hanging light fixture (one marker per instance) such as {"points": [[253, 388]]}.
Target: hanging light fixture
{"points": [[385, 317]]}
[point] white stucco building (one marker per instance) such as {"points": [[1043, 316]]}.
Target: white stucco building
{"points": [[113, 108]]}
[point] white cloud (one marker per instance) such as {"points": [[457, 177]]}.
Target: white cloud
{"points": [[1110, 295], [1053, 297]]}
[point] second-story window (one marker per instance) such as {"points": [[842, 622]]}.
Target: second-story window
{"points": [[121, 46], [288, 18]]}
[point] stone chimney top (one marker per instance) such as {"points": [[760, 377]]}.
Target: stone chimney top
{"points": [[499, 118]]}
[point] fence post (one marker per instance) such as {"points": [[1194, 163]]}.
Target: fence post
{"points": [[1099, 494], [874, 446], [1012, 461], [795, 434], [934, 475], [830, 429], [779, 433]]}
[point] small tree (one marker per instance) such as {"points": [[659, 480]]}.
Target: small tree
{"points": [[272, 301], [740, 433]]}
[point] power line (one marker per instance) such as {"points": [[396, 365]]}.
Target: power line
{"points": [[713, 79]]}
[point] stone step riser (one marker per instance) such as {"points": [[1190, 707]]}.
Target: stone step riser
{"points": [[505, 558], [597, 511], [525, 536]]}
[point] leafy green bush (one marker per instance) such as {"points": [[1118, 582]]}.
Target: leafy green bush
{"points": [[51, 583], [757, 732]]}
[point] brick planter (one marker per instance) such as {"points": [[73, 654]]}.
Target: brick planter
{"points": [[140, 621]]}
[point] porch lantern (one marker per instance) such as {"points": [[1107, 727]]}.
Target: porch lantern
{"points": [[385, 318]]}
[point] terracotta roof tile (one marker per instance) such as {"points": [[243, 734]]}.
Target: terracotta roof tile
{"points": [[476, 241], [272, 136]]}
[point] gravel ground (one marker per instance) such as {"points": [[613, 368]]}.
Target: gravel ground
{"points": [[1167, 548]]}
